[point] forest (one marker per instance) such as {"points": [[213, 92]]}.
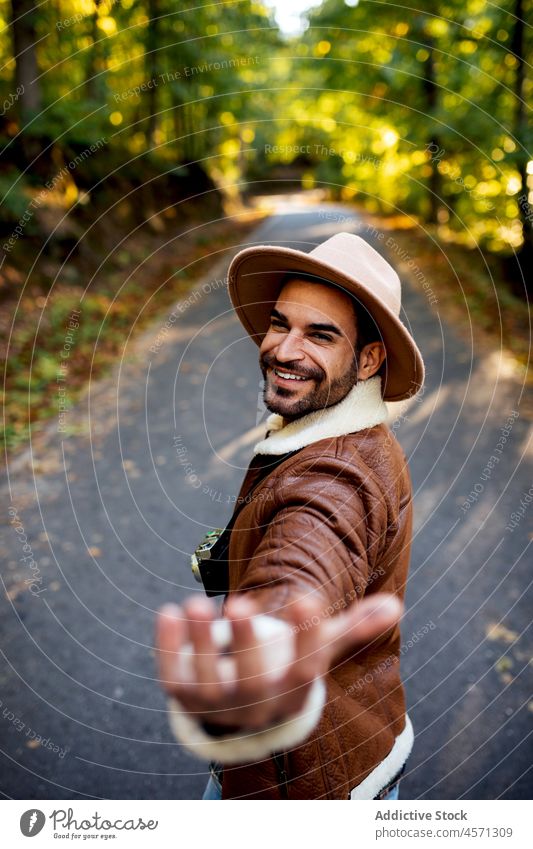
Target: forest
{"points": [[123, 118]]}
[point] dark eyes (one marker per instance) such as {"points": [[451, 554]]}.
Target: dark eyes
{"points": [[314, 334]]}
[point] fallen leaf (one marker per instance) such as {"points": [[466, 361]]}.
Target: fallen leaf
{"points": [[503, 664], [500, 632]]}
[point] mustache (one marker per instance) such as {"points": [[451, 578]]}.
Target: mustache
{"points": [[269, 361]]}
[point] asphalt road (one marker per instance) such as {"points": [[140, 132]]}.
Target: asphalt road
{"points": [[155, 453]]}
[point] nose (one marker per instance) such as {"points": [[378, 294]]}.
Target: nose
{"points": [[290, 348]]}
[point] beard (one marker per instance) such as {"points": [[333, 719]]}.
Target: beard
{"points": [[319, 395]]}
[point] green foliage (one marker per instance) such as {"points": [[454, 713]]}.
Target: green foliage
{"points": [[148, 76], [410, 108], [420, 109], [14, 198]]}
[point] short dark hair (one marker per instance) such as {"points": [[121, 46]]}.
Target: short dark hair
{"points": [[367, 329]]}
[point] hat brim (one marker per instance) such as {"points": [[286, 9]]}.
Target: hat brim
{"points": [[255, 279]]}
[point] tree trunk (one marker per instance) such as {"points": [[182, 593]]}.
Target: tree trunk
{"points": [[524, 283], [430, 92], [23, 17], [92, 63], [152, 38]]}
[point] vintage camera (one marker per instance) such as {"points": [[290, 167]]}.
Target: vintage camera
{"points": [[209, 563]]}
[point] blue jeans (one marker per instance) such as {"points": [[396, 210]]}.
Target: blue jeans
{"points": [[393, 794], [214, 790]]}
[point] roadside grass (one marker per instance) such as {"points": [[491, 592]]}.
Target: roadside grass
{"points": [[152, 271], [34, 321]]}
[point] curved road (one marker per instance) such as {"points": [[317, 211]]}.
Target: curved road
{"points": [[111, 510]]}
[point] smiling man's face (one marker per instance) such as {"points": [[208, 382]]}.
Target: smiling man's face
{"points": [[308, 355]]}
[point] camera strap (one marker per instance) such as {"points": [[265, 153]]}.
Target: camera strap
{"points": [[215, 570]]}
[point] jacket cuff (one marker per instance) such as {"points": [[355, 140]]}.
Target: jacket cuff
{"points": [[244, 747]]}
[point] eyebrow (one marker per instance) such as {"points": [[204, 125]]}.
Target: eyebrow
{"points": [[330, 328]]}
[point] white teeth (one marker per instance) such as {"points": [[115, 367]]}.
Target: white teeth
{"points": [[288, 376]]}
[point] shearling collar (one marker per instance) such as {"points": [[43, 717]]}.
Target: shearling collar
{"points": [[362, 407]]}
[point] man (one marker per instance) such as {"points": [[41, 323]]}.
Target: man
{"points": [[297, 691]]}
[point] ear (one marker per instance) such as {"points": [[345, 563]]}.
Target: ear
{"points": [[371, 359]]}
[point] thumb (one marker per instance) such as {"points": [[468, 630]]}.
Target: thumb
{"points": [[362, 623]]}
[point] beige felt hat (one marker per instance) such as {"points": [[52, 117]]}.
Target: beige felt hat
{"points": [[255, 280]]}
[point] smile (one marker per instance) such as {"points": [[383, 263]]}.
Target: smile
{"points": [[287, 376]]}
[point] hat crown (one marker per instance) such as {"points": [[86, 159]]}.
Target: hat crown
{"points": [[352, 256], [257, 274]]}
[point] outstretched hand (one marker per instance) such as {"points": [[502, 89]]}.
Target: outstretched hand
{"points": [[250, 688]]}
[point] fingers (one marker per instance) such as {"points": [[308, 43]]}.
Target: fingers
{"points": [[308, 658], [255, 692], [200, 613], [247, 652], [170, 636], [261, 685], [362, 623], [192, 667]]}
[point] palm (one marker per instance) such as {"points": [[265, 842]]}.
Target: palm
{"points": [[251, 686]]}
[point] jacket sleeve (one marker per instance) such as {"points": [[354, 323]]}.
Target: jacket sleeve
{"points": [[325, 526], [323, 533]]}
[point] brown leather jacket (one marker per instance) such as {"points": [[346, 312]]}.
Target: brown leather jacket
{"points": [[333, 519]]}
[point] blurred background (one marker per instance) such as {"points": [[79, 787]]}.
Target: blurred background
{"points": [[147, 115], [144, 142]]}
